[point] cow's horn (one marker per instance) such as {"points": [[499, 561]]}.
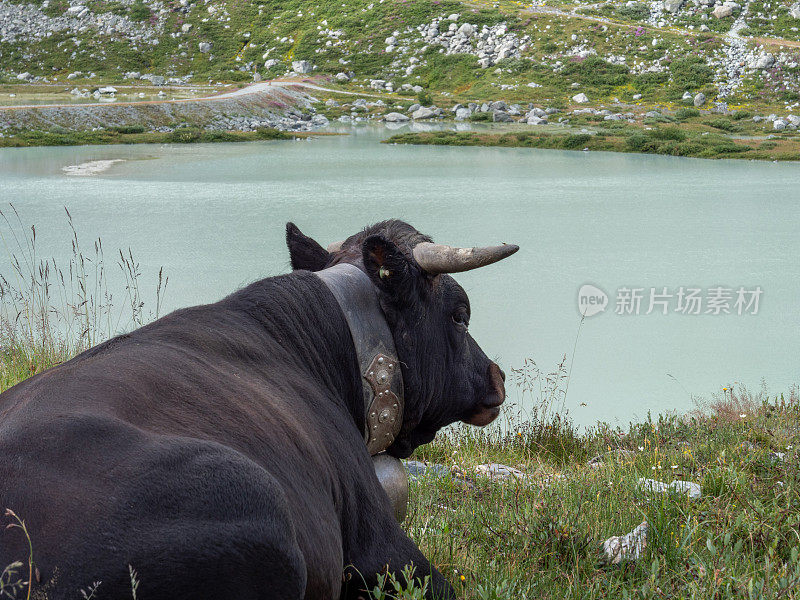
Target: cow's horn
{"points": [[437, 258], [335, 247]]}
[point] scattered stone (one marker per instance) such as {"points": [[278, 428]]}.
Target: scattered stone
{"points": [[779, 125], [722, 11], [580, 98], [423, 112], [763, 61], [673, 6], [794, 11], [463, 113], [619, 454], [500, 472], [699, 99], [344, 77], [302, 66], [107, 90], [628, 547], [637, 96], [204, 47], [689, 488], [501, 116], [395, 117]]}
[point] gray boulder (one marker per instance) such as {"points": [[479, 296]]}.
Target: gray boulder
{"points": [[204, 47], [699, 99], [580, 98], [501, 116], [721, 12], [395, 117], [673, 6], [463, 113], [423, 112], [302, 66]]}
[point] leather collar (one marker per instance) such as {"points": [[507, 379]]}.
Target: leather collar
{"points": [[381, 377]]}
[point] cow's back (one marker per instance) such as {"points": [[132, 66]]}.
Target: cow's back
{"points": [[173, 450]]}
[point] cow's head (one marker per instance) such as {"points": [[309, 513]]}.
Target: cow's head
{"points": [[446, 375]]}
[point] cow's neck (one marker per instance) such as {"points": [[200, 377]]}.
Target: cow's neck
{"points": [[381, 377]]}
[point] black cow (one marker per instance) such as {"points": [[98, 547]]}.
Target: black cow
{"points": [[219, 451]]}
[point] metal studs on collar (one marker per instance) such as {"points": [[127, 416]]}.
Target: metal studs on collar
{"points": [[384, 414]]}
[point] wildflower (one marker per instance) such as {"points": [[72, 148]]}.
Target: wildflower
{"points": [[743, 415], [463, 578], [653, 468], [641, 448], [674, 466], [789, 447]]}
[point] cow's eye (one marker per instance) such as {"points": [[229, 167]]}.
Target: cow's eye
{"points": [[461, 318]]}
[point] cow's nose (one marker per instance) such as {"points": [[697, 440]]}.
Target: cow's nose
{"points": [[497, 389]]}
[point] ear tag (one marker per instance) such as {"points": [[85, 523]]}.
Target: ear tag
{"points": [[384, 273]]}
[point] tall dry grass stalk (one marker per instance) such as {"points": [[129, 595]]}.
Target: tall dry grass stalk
{"points": [[51, 311]]}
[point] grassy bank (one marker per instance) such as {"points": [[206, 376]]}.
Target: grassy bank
{"points": [[136, 135], [541, 537], [671, 141]]}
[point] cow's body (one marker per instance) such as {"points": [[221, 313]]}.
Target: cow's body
{"points": [[219, 451], [212, 439]]}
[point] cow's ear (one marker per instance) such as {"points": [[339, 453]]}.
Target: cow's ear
{"points": [[304, 252], [389, 268]]}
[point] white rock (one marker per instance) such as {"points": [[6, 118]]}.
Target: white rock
{"points": [[637, 96], [689, 488], [779, 124], [699, 99], [466, 29], [580, 98], [534, 120], [423, 112], [395, 117], [720, 12], [463, 113], [204, 47], [302, 66], [794, 11], [270, 63], [342, 77], [501, 472], [763, 61], [186, 27], [107, 90], [627, 547]]}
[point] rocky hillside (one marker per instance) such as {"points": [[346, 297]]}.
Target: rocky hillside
{"points": [[661, 51]]}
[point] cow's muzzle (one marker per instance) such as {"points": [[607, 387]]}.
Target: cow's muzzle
{"points": [[489, 407]]}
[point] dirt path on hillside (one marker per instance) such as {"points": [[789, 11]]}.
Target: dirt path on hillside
{"points": [[254, 88]]}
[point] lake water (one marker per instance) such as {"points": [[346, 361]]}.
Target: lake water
{"points": [[213, 216]]}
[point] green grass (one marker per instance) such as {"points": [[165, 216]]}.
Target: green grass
{"points": [[542, 538], [664, 140], [136, 135]]}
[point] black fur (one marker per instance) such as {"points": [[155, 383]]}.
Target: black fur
{"points": [[218, 450]]}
